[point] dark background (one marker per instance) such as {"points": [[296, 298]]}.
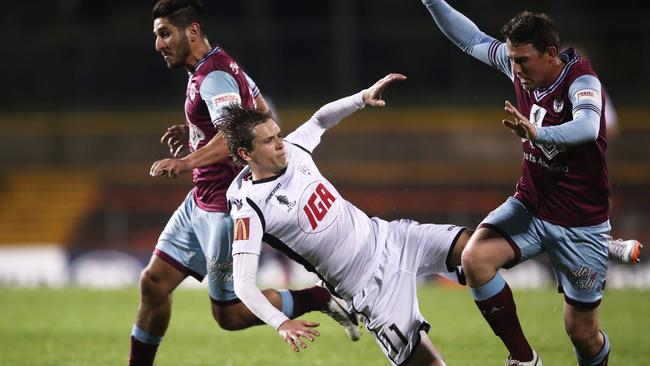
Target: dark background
{"points": [[88, 54]]}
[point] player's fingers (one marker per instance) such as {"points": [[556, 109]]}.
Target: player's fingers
{"points": [[291, 344], [154, 168], [377, 103], [166, 136], [510, 124], [307, 323], [177, 152], [300, 342]]}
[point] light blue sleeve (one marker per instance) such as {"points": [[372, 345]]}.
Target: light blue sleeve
{"points": [[218, 90], [585, 96], [468, 37], [255, 91]]}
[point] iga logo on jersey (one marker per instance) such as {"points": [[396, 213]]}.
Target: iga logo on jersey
{"points": [[317, 205]]}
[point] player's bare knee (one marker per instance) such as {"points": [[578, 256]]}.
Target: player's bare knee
{"points": [[471, 259], [152, 285]]}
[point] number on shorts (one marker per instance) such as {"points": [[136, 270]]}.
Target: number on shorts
{"points": [[399, 334]]}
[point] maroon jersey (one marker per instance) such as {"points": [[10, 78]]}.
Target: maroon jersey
{"points": [[213, 180], [564, 185]]}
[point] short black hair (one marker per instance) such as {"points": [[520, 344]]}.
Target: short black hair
{"points": [[534, 28], [237, 124], [181, 13]]}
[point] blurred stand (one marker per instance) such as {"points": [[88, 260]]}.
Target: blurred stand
{"points": [[82, 192]]}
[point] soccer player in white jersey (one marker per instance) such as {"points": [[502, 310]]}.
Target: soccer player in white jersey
{"points": [[281, 198], [197, 239], [561, 203]]}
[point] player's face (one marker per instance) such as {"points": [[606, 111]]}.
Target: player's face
{"points": [[171, 42], [532, 67], [267, 157]]}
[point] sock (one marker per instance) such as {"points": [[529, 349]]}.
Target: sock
{"points": [[287, 303], [309, 299], [601, 359], [143, 347], [494, 300]]}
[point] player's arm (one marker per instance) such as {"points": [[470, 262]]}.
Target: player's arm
{"points": [[218, 90], [247, 245], [585, 95], [468, 37], [309, 133]]}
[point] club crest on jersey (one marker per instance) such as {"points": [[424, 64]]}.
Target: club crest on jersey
{"points": [[242, 228], [234, 67], [304, 169], [558, 104], [196, 136], [238, 203]]}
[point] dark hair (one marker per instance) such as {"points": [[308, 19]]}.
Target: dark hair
{"points": [[527, 27], [180, 13], [237, 124]]}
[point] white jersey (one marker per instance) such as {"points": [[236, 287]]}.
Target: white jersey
{"points": [[300, 213]]}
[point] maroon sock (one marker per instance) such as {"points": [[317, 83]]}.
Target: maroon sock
{"points": [[309, 299], [501, 313], [142, 354]]}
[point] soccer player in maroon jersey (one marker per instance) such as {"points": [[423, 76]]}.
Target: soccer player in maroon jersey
{"points": [[561, 203], [197, 239]]}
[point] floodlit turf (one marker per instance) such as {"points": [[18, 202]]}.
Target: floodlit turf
{"points": [[82, 327]]}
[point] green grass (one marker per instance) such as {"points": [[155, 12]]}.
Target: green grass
{"points": [[83, 327]]}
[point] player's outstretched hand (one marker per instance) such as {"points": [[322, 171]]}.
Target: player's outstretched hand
{"points": [[372, 95], [292, 330], [170, 168], [520, 125], [176, 137]]}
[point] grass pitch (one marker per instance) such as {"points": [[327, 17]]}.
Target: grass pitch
{"points": [[92, 327]]}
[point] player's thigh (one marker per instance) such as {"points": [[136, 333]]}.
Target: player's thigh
{"points": [[389, 306], [427, 247], [579, 259], [178, 244], [214, 231], [508, 225]]}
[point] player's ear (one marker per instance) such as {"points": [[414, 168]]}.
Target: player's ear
{"points": [[244, 154], [194, 31], [551, 51]]}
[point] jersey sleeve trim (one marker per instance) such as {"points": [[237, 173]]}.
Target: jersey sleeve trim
{"points": [[492, 53], [258, 211]]}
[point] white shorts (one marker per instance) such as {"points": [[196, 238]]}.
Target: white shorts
{"points": [[388, 302]]}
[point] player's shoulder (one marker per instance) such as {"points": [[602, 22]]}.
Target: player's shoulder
{"points": [[577, 65], [241, 184]]}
